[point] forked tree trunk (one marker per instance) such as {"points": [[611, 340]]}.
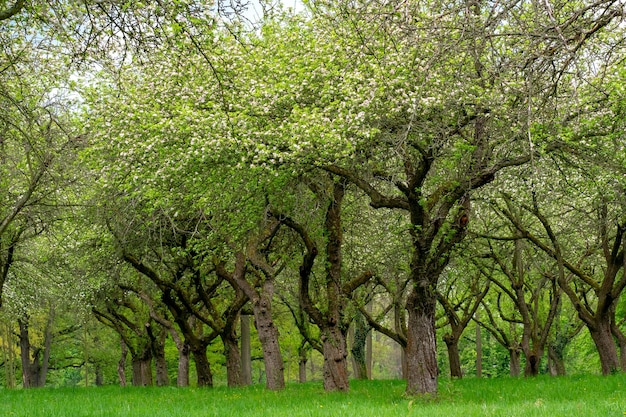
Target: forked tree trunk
{"points": [[268, 336], [421, 348], [335, 359]]}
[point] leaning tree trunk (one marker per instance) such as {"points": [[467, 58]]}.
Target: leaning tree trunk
{"points": [[421, 348], [268, 336], [335, 359]]}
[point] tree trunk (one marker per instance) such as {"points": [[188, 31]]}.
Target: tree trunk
{"points": [[533, 362], [142, 368], [452, 343], [335, 359], [203, 367], [233, 360], [302, 360], [121, 365], [515, 367], [158, 347], [246, 356], [99, 380], [603, 339], [557, 361], [182, 376], [421, 348], [29, 369], [268, 336]]}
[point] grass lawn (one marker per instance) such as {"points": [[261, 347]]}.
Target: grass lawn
{"points": [[542, 396]]}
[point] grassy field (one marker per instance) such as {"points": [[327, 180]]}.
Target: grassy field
{"points": [[543, 396]]}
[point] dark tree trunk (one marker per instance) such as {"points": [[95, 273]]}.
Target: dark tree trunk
{"points": [[335, 359], [246, 355], [533, 362], [99, 381], [452, 344], [421, 348], [203, 367], [515, 367], [603, 339], [233, 360], [268, 336], [35, 370]]}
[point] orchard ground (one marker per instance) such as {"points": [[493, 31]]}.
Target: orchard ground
{"points": [[588, 395]]}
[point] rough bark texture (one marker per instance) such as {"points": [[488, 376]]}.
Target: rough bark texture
{"points": [[335, 360], [607, 350], [421, 351], [233, 360], [268, 336], [452, 344], [203, 368], [142, 368], [182, 375]]}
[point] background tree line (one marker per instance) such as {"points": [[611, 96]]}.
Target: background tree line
{"points": [[444, 173]]}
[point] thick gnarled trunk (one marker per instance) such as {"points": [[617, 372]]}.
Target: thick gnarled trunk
{"points": [[421, 348], [335, 359], [607, 350]]}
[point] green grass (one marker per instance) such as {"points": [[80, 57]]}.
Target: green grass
{"points": [[543, 396]]}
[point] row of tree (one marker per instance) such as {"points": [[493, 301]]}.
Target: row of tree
{"points": [[170, 166]]}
